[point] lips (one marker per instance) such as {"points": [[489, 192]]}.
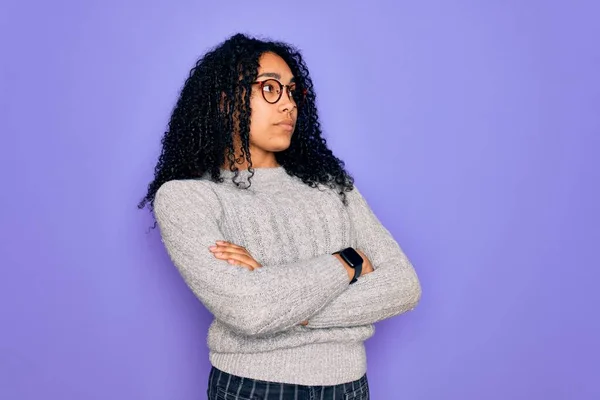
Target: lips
{"points": [[286, 124]]}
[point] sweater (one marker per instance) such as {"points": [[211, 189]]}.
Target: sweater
{"points": [[291, 229]]}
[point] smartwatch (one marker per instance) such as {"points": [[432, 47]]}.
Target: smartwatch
{"points": [[353, 259]]}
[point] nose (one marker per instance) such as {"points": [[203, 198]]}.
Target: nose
{"points": [[286, 103]]}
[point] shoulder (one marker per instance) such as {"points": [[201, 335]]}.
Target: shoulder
{"points": [[183, 190], [186, 194], [357, 202], [354, 195]]}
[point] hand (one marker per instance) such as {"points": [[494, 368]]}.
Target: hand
{"points": [[234, 255]]}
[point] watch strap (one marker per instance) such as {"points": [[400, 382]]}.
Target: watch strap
{"points": [[357, 267]]}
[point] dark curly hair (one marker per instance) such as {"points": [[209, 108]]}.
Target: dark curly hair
{"points": [[216, 96]]}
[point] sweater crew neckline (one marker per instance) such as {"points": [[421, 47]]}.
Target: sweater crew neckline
{"points": [[260, 175]]}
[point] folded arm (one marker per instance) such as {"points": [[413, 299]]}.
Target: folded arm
{"points": [[391, 289], [267, 300]]}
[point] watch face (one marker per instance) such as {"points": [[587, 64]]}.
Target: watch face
{"points": [[353, 257]]}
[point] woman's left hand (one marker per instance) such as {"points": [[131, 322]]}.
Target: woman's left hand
{"points": [[234, 254]]}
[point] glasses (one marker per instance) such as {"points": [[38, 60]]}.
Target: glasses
{"points": [[272, 90]]}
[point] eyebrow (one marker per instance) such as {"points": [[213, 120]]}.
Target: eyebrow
{"points": [[273, 75]]}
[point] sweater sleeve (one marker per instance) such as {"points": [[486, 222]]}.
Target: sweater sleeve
{"points": [[264, 301], [391, 289]]}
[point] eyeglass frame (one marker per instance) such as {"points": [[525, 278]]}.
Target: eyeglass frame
{"points": [[281, 87]]}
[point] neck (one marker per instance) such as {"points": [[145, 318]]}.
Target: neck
{"points": [[269, 162], [244, 166], [261, 176], [260, 158]]}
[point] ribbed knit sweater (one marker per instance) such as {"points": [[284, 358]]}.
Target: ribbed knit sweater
{"points": [[292, 230]]}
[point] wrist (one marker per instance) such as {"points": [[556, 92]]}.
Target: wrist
{"points": [[353, 260], [348, 268]]}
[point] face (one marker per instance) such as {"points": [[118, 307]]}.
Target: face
{"points": [[271, 125]]}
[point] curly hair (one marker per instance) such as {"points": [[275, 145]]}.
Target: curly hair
{"points": [[215, 99]]}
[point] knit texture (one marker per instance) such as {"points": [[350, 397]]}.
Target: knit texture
{"points": [[292, 230]]}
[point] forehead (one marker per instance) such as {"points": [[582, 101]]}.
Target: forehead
{"points": [[270, 62]]}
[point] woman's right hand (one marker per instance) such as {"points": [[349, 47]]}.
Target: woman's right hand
{"points": [[234, 254]]}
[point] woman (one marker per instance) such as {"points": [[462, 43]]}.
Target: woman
{"points": [[269, 232]]}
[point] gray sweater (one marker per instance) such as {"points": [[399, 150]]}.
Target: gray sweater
{"points": [[292, 230]]}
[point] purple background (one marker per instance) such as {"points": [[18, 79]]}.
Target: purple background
{"points": [[472, 128]]}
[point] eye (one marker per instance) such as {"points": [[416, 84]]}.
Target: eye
{"points": [[269, 87]]}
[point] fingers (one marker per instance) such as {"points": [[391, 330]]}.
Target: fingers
{"points": [[222, 248], [237, 259], [234, 254], [229, 244], [239, 264]]}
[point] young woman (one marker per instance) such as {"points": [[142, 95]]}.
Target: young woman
{"points": [[269, 232]]}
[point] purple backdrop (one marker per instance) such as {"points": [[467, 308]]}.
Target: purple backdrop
{"points": [[472, 127]]}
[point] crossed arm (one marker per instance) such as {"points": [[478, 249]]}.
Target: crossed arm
{"points": [[267, 299]]}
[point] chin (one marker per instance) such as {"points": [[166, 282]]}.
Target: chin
{"points": [[280, 144], [277, 149]]}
